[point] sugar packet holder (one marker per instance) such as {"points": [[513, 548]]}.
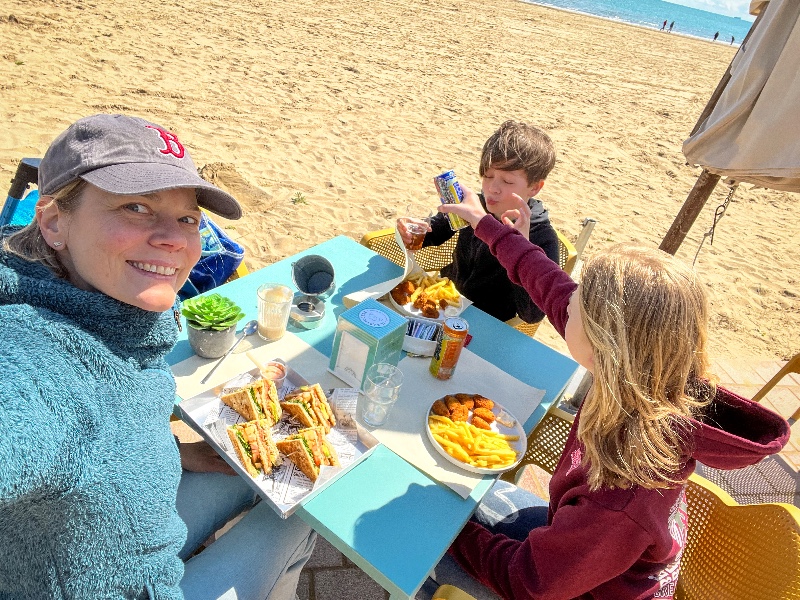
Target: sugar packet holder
{"points": [[421, 336]]}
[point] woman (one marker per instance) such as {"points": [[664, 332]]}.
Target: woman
{"points": [[91, 471]]}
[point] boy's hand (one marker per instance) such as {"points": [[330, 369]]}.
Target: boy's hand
{"points": [[404, 233], [470, 208], [520, 217]]}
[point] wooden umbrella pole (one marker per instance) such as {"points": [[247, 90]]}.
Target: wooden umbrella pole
{"points": [[694, 203]]}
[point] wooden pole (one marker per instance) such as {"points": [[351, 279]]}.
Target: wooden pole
{"points": [[694, 203]]}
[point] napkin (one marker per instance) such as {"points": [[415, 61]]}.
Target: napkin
{"points": [[404, 432]]}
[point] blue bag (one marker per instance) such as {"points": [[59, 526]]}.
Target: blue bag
{"points": [[220, 258]]}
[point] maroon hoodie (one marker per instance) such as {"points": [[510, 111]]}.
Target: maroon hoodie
{"points": [[610, 544]]}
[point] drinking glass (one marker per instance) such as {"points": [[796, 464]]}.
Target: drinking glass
{"points": [[274, 306], [381, 389]]}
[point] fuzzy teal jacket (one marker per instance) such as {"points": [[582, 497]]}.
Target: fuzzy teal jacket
{"points": [[89, 470]]}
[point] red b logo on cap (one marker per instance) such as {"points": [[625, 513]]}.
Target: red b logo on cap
{"points": [[171, 143]]}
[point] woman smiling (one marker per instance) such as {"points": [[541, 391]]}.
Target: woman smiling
{"points": [[93, 501]]}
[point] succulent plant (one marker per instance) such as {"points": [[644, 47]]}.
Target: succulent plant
{"points": [[211, 312]]}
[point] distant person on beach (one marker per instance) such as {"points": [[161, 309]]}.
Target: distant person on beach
{"points": [[716, 35], [515, 161], [664, 26], [732, 40], [670, 26]]}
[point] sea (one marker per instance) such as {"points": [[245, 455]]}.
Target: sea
{"points": [[652, 14]]}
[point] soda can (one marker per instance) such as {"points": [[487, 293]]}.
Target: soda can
{"points": [[450, 193], [448, 347]]}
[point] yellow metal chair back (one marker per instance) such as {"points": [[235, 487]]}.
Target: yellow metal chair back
{"points": [[430, 258], [793, 366], [545, 443], [737, 552]]}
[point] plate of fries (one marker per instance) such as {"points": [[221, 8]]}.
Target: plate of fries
{"points": [[476, 434], [427, 295]]}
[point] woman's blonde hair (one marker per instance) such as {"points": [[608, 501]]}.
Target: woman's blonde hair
{"points": [[645, 314], [28, 242]]}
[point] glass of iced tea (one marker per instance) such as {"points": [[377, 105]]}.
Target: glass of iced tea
{"points": [[417, 232]]}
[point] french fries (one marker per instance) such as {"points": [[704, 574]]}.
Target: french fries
{"points": [[435, 288], [477, 447]]}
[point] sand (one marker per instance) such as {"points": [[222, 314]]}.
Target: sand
{"points": [[331, 118]]}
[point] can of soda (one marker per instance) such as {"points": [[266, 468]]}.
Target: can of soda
{"points": [[448, 348], [450, 193]]}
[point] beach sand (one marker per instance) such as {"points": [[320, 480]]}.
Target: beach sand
{"points": [[331, 118]]}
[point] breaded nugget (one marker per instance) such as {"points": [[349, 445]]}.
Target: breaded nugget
{"points": [[399, 296], [466, 400], [420, 301], [484, 413], [482, 402], [451, 401], [407, 287], [459, 412], [430, 310], [480, 423], [440, 408]]}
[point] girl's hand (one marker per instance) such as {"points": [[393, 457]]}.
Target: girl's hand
{"points": [[519, 218], [404, 233], [469, 209]]}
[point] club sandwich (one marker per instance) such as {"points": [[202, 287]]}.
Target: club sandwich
{"points": [[254, 446], [309, 451], [255, 401], [309, 406]]}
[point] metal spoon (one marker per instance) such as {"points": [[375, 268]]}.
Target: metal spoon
{"points": [[249, 329]]}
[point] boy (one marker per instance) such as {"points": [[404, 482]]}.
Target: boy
{"points": [[516, 159]]}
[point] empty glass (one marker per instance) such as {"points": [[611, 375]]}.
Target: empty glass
{"points": [[381, 389]]}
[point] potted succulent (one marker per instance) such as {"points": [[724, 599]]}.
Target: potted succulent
{"points": [[212, 323]]}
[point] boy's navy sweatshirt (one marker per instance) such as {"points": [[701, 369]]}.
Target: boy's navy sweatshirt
{"points": [[620, 544]]}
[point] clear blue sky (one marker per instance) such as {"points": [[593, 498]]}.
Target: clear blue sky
{"points": [[732, 8]]}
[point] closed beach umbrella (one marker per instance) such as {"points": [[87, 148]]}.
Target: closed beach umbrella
{"points": [[753, 132], [750, 131]]}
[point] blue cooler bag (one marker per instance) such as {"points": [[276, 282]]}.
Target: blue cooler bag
{"points": [[220, 257]]}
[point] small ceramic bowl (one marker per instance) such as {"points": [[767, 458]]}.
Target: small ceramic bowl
{"points": [[275, 370]]}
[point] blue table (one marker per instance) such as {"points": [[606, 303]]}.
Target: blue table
{"points": [[378, 514]]}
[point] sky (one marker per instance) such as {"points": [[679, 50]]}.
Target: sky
{"points": [[732, 8]]}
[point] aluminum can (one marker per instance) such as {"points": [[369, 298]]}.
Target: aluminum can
{"points": [[450, 193], [448, 348]]}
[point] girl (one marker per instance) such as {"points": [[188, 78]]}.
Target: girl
{"points": [[616, 522]]}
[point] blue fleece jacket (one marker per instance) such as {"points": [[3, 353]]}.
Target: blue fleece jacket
{"points": [[89, 470]]}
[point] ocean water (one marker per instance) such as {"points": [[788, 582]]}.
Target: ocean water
{"points": [[652, 13]]}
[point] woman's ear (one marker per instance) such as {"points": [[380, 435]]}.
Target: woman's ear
{"points": [[50, 221]]}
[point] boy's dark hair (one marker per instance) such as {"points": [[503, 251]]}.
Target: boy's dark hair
{"points": [[516, 145]]}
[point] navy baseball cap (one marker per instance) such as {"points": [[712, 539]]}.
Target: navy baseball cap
{"points": [[127, 155]]}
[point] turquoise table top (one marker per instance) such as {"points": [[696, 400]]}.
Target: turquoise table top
{"points": [[379, 513]]}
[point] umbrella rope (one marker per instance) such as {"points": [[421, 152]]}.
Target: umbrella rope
{"points": [[718, 214]]}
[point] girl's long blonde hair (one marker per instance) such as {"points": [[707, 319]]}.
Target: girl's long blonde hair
{"points": [[645, 314]]}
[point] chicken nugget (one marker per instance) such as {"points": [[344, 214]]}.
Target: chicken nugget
{"points": [[440, 408], [484, 413], [482, 402], [466, 400], [420, 301], [459, 412], [443, 304], [399, 296], [407, 287], [430, 310], [480, 423], [451, 401]]}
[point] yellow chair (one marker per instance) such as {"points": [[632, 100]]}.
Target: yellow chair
{"points": [[732, 552], [545, 443], [434, 258], [736, 552], [793, 366]]}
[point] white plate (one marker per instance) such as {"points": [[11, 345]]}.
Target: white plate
{"points": [[409, 310], [519, 446]]}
